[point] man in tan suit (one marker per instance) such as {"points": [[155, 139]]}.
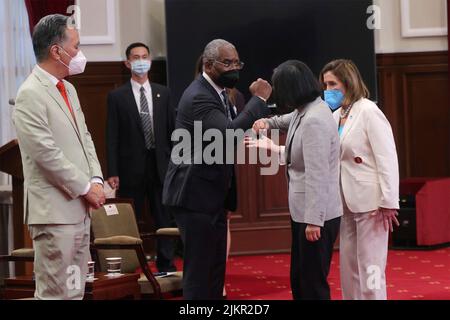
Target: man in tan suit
{"points": [[63, 178]]}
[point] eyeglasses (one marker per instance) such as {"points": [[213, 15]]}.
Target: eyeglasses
{"points": [[227, 64]]}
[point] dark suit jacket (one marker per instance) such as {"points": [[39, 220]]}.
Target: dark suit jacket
{"points": [[125, 136], [202, 187]]}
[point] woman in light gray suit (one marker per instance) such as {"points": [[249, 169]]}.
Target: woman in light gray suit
{"points": [[312, 158]]}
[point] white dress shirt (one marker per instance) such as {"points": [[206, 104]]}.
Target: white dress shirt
{"points": [[136, 87], [218, 89], [52, 78]]}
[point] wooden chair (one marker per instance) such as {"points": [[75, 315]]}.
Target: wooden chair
{"points": [[23, 254], [18, 255], [115, 234]]}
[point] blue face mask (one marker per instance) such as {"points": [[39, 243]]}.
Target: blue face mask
{"points": [[333, 98], [140, 67]]}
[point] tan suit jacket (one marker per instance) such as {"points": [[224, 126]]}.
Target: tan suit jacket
{"points": [[369, 165], [58, 154]]}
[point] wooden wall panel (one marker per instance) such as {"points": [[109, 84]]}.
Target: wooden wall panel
{"points": [[273, 195], [413, 90], [428, 124], [262, 221]]}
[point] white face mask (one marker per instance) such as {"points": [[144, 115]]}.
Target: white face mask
{"points": [[77, 64]]}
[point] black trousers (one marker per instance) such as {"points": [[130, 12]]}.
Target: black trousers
{"points": [[204, 237], [150, 187], [310, 261]]}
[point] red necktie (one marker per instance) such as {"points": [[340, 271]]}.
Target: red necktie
{"points": [[62, 90]]}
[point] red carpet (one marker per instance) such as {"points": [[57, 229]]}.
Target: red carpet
{"points": [[411, 275]]}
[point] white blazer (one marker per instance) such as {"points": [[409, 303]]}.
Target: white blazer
{"points": [[369, 165]]}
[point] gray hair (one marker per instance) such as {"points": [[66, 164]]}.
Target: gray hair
{"points": [[49, 30], [211, 51]]}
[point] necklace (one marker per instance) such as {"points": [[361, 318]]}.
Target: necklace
{"points": [[344, 114]]}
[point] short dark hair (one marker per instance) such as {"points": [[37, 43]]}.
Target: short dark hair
{"points": [[48, 31], [135, 45], [294, 86]]}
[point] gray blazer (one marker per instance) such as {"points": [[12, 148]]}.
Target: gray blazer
{"points": [[312, 162]]}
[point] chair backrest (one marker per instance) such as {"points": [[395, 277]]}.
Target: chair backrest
{"points": [[116, 218]]}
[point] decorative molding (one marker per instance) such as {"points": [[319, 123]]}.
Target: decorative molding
{"points": [[410, 32], [110, 36]]}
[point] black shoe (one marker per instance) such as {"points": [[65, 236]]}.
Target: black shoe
{"points": [[171, 269]]}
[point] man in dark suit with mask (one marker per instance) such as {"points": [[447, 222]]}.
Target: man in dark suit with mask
{"points": [[199, 194], [139, 128]]}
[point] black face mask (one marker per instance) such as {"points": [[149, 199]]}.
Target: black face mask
{"points": [[228, 79]]}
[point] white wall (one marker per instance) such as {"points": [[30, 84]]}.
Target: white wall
{"points": [[133, 21], [144, 20], [154, 12], [423, 13], [96, 11]]}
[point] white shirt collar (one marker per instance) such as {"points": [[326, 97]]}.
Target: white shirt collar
{"points": [[215, 86], [137, 86], [51, 77]]}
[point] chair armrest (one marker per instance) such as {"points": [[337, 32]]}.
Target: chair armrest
{"points": [[175, 232], [162, 232], [23, 253], [118, 240]]}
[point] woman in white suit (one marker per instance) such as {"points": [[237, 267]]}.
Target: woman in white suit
{"points": [[369, 181]]}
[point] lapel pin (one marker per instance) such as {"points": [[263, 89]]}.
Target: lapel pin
{"points": [[358, 160], [158, 95]]}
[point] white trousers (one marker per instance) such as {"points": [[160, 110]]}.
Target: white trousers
{"points": [[61, 257], [363, 248]]}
